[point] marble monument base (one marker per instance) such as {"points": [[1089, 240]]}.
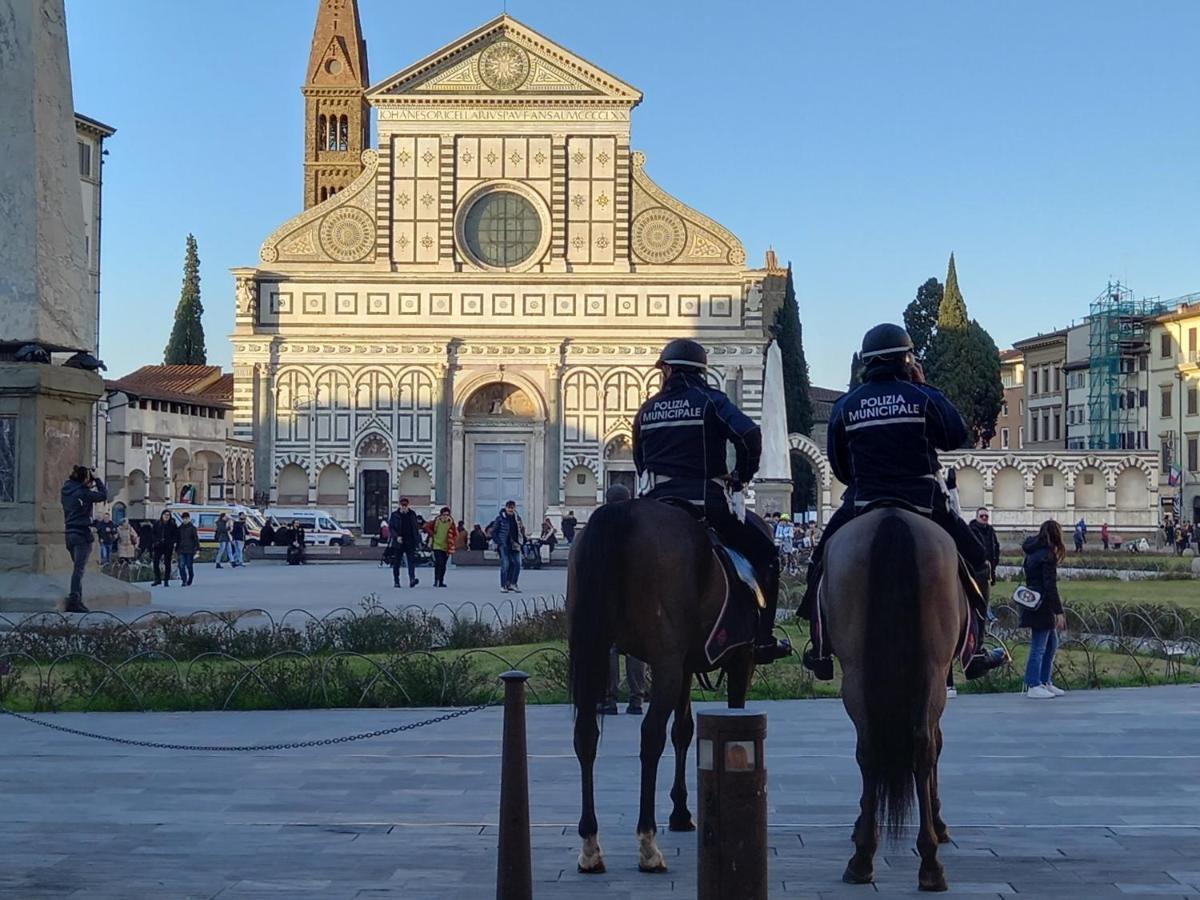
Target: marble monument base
{"points": [[45, 429], [772, 495]]}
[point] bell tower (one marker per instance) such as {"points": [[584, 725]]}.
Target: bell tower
{"points": [[337, 122]]}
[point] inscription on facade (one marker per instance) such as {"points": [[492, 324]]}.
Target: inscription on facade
{"points": [[527, 114]]}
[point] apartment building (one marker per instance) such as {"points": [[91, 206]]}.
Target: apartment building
{"points": [[1010, 425], [1175, 419], [1045, 394], [1075, 374]]}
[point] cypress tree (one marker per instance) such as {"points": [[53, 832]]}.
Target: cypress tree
{"points": [[964, 363], [789, 333], [186, 346]]}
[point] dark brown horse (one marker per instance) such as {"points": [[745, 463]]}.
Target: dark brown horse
{"points": [[895, 610], [643, 576]]}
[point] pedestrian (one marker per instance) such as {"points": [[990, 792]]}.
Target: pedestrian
{"points": [[145, 539], [443, 540], [163, 541], [635, 676], [384, 532], [1104, 535], [508, 534], [1079, 536], [238, 533], [127, 543], [1043, 553], [981, 528], [1181, 538], [405, 540], [188, 545], [266, 534], [106, 531], [295, 546], [478, 540], [460, 535], [569, 524], [221, 532], [549, 537], [81, 489]]}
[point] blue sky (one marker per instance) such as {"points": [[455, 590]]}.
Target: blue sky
{"points": [[1051, 146]]}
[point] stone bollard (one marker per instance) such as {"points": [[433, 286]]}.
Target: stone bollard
{"points": [[732, 823], [514, 875]]}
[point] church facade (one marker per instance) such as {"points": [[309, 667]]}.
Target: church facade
{"points": [[470, 311]]}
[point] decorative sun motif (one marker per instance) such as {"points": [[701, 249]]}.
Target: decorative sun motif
{"points": [[491, 158], [602, 201], [602, 158], [578, 200], [579, 156], [428, 157], [467, 157], [539, 157], [427, 199], [515, 158], [602, 242], [347, 234], [403, 200], [426, 241], [403, 156], [504, 66], [658, 235], [577, 242]]}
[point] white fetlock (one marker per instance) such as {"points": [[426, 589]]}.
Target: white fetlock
{"points": [[649, 857], [591, 859]]}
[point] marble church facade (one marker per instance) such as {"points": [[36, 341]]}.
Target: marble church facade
{"points": [[472, 312]]}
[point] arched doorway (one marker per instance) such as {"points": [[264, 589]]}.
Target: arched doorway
{"points": [[374, 455], [619, 468]]}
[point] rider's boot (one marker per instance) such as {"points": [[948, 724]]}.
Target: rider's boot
{"points": [[767, 648], [983, 660], [811, 659]]}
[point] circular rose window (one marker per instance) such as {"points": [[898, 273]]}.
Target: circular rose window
{"points": [[502, 229]]}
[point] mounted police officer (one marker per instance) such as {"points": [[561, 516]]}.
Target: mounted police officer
{"points": [[679, 442], [883, 441]]}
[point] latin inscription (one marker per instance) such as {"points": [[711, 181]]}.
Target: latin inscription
{"points": [[503, 115]]}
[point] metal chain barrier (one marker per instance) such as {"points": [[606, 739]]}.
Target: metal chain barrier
{"points": [[252, 748]]}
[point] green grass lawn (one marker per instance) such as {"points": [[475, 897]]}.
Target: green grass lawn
{"points": [[1185, 593]]}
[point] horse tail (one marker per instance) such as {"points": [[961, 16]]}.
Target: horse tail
{"points": [[594, 597], [896, 689]]}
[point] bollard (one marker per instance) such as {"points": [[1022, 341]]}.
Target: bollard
{"points": [[732, 824], [514, 876]]}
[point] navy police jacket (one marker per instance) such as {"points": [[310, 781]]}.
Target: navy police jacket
{"points": [[681, 432], [884, 436]]}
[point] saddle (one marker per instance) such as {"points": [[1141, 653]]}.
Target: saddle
{"points": [[737, 622]]}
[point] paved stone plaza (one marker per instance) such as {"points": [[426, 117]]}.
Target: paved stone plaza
{"points": [[1094, 795]]}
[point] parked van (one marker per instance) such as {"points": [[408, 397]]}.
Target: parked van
{"points": [[320, 528], [204, 517]]}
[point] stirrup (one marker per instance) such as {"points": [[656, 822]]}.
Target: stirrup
{"points": [[984, 661], [776, 649], [820, 666]]}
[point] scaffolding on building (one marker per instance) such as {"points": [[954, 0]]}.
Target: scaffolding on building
{"points": [[1118, 348]]}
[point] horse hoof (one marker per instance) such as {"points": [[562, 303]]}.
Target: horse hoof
{"points": [[596, 869], [656, 868], [682, 823], [936, 882], [852, 877]]}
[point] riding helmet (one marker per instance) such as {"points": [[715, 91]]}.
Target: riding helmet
{"points": [[885, 340], [683, 352]]}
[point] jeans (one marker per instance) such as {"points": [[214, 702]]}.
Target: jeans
{"points": [[1042, 647], [186, 572], [510, 567], [105, 552], [163, 555], [440, 558], [80, 548], [407, 554], [239, 553], [635, 675], [224, 552]]}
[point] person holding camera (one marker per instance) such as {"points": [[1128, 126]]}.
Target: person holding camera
{"points": [[81, 489]]}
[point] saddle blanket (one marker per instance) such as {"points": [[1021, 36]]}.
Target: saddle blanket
{"points": [[737, 622]]}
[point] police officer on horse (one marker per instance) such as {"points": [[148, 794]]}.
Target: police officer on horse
{"points": [[679, 443], [883, 441]]}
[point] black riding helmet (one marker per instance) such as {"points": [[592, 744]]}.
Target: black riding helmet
{"points": [[685, 353], [884, 341]]}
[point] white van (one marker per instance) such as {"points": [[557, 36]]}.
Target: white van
{"points": [[204, 517], [320, 528]]}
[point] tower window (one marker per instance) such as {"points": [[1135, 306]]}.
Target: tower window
{"points": [[322, 128], [324, 194], [344, 134], [331, 137]]}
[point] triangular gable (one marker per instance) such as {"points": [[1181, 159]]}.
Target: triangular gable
{"points": [[335, 50], [504, 57]]}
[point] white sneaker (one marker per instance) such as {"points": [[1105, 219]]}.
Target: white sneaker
{"points": [[1056, 691], [951, 693], [1039, 692]]}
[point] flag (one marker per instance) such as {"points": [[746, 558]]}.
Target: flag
{"points": [[1175, 476]]}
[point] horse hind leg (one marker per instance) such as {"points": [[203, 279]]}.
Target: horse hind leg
{"points": [[664, 695], [682, 730], [587, 736], [861, 868], [932, 876], [939, 825]]}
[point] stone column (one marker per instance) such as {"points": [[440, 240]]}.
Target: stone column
{"points": [[46, 306], [443, 392], [553, 467]]}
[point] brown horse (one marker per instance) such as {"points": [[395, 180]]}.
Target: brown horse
{"points": [[895, 610], [643, 576]]}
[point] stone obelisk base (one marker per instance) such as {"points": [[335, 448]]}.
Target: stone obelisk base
{"points": [[46, 429], [772, 495]]}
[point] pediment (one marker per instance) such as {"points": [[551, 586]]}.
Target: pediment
{"points": [[504, 58], [335, 67]]}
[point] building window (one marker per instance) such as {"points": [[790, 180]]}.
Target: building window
{"points": [[331, 134], [1166, 454], [1020, 437], [1164, 345], [1143, 399], [344, 134], [1021, 407], [1003, 438], [502, 229], [1191, 455], [1143, 362], [1165, 396], [136, 438], [1057, 379], [1004, 408], [322, 130], [1191, 401], [1057, 425], [1048, 479], [1191, 345], [85, 160], [1033, 382]]}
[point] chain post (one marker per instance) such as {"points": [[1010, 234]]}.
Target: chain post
{"points": [[514, 874]]}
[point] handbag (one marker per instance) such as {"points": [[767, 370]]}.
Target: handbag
{"points": [[1027, 597]]}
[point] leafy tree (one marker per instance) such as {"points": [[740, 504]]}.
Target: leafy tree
{"points": [[796, 387], [186, 346], [964, 363], [920, 316]]}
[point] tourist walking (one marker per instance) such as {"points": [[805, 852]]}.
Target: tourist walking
{"points": [[443, 541], [508, 534], [238, 533], [145, 539], [1104, 535], [106, 531], [187, 545], [224, 547], [569, 524], [1043, 553], [1080, 535], [81, 489], [163, 540], [405, 534], [981, 528], [127, 543]]}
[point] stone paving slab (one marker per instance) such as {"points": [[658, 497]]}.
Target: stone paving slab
{"points": [[1090, 796]]}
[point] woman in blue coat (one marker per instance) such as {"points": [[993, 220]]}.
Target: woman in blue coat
{"points": [[1043, 553]]}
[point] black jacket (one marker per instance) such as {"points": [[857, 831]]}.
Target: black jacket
{"points": [[77, 500], [884, 436], [477, 540], [238, 530], [188, 540], [403, 529], [681, 432], [986, 535], [1041, 575], [165, 534]]}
